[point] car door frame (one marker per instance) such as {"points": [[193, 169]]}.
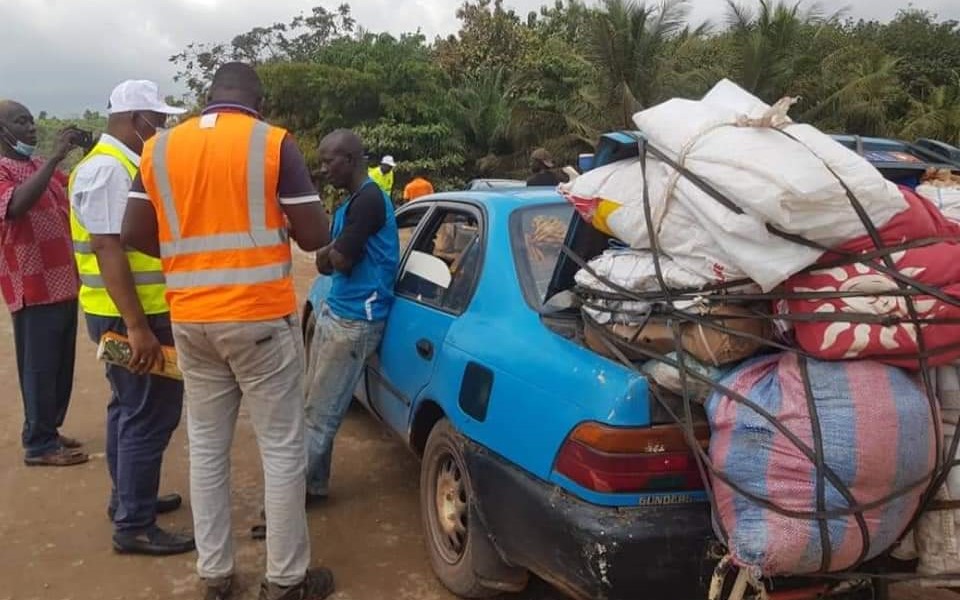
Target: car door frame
{"points": [[371, 369]]}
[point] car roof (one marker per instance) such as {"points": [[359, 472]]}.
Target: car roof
{"points": [[938, 143], [504, 199], [894, 158], [496, 180], [869, 140]]}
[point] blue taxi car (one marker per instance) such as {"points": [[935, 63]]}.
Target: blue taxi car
{"points": [[538, 455]]}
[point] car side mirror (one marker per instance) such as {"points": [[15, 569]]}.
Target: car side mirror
{"points": [[429, 268]]}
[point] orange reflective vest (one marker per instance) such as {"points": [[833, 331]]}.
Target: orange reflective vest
{"points": [[223, 241]]}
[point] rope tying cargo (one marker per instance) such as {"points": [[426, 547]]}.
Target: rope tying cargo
{"points": [[664, 304]]}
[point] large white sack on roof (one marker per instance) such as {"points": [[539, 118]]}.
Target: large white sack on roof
{"points": [[611, 198], [773, 178]]}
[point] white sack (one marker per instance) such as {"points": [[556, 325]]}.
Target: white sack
{"points": [[936, 537], [947, 199], [773, 178]]}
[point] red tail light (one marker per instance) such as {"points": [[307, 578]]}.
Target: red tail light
{"points": [[618, 460]]}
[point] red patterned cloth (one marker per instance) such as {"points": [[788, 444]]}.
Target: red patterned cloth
{"points": [[36, 262], [936, 265]]}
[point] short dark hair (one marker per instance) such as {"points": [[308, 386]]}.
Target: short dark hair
{"points": [[345, 141], [237, 81]]}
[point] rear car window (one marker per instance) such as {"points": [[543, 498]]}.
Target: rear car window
{"points": [[538, 234]]}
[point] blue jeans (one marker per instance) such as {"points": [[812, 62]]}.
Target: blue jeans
{"points": [[45, 338], [340, 349], [144, 411]]}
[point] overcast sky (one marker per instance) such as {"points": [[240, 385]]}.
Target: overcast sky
{"points": [[64, 56]]}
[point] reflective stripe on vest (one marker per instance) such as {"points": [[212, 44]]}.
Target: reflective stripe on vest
{"points": [[259, 235], [96, 281], [247, 276], [147, 271]]}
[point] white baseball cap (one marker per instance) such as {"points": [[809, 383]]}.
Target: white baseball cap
{"points": [[140, 95], [388, 160]]}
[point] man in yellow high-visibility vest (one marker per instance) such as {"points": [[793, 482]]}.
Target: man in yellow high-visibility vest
{"points": [[382, 175], [122, 291]]}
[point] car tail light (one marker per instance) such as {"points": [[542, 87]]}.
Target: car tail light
{"points": [[617, 459]]}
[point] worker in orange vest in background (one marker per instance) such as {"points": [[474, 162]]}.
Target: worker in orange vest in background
{"points": [[212, 200], [418, 186]]}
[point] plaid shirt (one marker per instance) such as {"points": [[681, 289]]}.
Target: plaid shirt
{"points": [[36, 251]]}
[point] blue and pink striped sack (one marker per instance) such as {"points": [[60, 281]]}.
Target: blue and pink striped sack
{"points": [[878, 437]]}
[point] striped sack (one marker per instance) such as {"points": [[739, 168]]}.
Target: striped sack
{"points": [[878, 437]]}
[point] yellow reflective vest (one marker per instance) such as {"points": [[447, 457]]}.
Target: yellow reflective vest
{"points": [[147, 271], [383, 181]]}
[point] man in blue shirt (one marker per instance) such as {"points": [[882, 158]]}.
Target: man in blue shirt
{"points": [[362, 262]]}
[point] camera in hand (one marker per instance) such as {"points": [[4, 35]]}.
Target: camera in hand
{"points": [[82, 138]]}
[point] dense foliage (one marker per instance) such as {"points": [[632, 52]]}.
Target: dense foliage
{"points": [[476, 102]]}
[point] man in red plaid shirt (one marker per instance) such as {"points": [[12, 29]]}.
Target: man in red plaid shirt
{"points": [[39, 282]]}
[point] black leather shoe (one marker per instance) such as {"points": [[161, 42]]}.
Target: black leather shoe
{"points": [[165, 504], [168, 503], [153, 542]]}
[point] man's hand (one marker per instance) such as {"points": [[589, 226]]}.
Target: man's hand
{"points": [[324, 266], [65, 143], [146, 351]]}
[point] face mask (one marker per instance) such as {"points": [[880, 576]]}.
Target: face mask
{"points": [[21, 148], [24, 149], [157, 130]]}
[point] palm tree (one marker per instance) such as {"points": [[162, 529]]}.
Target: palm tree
{"points": [[770, 43], [484, 111], [936, 116], [625, 43], [861, 84]]}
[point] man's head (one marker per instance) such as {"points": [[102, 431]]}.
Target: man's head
{"points": [[236, 83], [387, 164], [137, 113], [541, 160], [18, 132], [342, 162]]}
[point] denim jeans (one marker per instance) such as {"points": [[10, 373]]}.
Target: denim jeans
{"points": [[45, 338], [340, 349], [143, 412], [261, 364]]}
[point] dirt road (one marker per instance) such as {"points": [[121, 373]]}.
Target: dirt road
{"points": [[56, 537]]}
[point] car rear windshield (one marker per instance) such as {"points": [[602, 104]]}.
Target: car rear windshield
{"points": [[538, 233]]}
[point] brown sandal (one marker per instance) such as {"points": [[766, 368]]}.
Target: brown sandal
{"points": [[61, 457]]}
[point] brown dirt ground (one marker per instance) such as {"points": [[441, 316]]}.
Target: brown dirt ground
{"points": [[56, 538]]}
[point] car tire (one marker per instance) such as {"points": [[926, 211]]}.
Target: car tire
{"points": [[451, 537]]}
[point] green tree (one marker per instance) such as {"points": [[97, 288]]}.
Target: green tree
{"points": [[775, 45], [860, 86], [478, 101], [625, 45], [483, 112], [490, 38], [929, 49], [937, 115], [298, 40]]}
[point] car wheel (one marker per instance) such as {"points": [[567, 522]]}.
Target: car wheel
{"points": [[445, 507]]}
